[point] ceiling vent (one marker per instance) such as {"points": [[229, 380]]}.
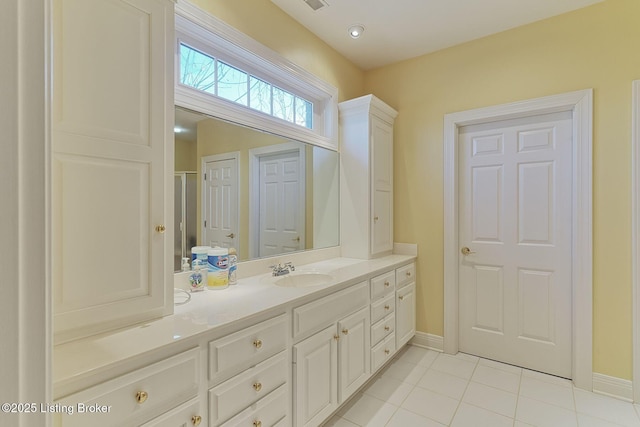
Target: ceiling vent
{"points": [[316, 4]]}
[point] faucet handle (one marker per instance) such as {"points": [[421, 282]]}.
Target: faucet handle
{"points": [[290, 265]]}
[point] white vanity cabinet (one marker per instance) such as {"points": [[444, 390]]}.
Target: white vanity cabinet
{"points": [[112, 120], [383, 318], [405, 304], [366, 180], [333, 363], [185, 415]]}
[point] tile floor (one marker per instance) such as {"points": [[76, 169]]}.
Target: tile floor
{"points": [[424, 388]]}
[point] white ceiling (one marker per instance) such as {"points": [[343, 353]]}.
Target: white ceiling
{"points": [[401, 29]]}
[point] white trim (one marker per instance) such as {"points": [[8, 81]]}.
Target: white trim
{"points": [[195, 26], [25, 169], [635, 232], [405, 249], [234, 155], [430, 341], [254, 189], [580, 103], [613, 386]]}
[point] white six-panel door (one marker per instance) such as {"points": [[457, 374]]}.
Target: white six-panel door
{"points": [[515, 219], [220, 201]]}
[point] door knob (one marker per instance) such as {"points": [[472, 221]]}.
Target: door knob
{"points": [[297, 239], [231, 236], [467, 251]]}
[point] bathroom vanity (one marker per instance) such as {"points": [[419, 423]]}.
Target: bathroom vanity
{"points": [[260, 353]]}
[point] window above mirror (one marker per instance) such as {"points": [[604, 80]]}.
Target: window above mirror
{"points": [[226, 74]]}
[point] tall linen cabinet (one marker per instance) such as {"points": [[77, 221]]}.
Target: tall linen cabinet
{"points": [[366, 177], [112, 155]]}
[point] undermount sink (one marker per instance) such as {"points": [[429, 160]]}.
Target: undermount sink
{"points": [[303, 280]]}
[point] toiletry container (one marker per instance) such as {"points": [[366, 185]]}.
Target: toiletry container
{"points": [[199, 256], [233, 266], [218, 265]]}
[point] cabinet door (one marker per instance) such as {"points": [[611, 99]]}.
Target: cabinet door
{"points": [[316, 377], [381, 186], [354, 352], [405, 314], [110, 186], [186, 415]]}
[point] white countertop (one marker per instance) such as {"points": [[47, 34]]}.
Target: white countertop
{"points": [[206, 311]]}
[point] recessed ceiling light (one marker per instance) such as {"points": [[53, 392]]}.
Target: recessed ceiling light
{"points": [[356, 31], [178, 129]]}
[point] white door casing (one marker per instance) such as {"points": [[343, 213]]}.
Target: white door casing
{"points": [[515, 216], [220, 200], [277, 208], [635, 233], [580, 104]]}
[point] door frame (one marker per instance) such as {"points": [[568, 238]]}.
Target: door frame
{"points": [[235, 156], [635, 233], [254, 188], [580, 104]]}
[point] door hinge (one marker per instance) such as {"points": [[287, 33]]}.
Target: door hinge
{"points": [[205, 223], [205, 176]]}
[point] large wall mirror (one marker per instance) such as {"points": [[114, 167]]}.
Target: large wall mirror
{"points": [[257, 192]]}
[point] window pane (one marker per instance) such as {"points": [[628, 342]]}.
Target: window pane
{"points": [[232, 83], [260, 95], [197, 69], [282, 104], [304, 113]]}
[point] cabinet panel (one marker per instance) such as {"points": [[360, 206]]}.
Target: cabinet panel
{"points": [[319, 313], [405, 275], [316, 377], [189, 414], [405, 314], [244, 389], [354, 352], [147, 391], [383, 328], [238, 351], [270, 411], [383, 284], [383, 307], [383, 352]]}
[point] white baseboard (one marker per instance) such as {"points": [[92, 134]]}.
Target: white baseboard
{"points": [[613, 386], [430, 341]]}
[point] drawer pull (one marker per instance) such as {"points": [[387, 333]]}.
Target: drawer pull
{"points": [[408, 274], [345, 331], [386, 351], [386, 328], [257, 423], [141, 397], [386, 284], [401, 297], [196, 420], [386, 307], [257, 343], [257, 386], [375, 218], [336, 337]]}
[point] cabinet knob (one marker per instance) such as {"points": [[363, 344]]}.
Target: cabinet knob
{"points": [[257, 343], [257, 386], [141, 397], [161, 228], [386, 351], [257, 423], [386, 307], [196, 420], [336, 337], [386, 284], [401, 297], [408, 274], [386, 328], [375, 218], [345, 331]]}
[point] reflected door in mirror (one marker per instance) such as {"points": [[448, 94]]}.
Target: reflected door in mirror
{"points": [[220, 201]]}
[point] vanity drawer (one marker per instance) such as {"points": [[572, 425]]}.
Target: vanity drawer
{"points": [[138, 395], [240, 350], [187, 414], [327, 310], [383, 307], [270, 411], [383, 328], [405, 275], [383, 352], [243, 390], [383, 284]]}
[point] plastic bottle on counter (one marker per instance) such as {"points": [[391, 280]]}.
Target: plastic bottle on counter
{"points": [[218, 265], [233, 266]]}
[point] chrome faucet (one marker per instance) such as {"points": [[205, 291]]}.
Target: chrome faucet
{"points": [[281, 270]]}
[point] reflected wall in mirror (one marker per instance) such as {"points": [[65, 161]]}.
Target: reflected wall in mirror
{"points": [[259, 193]]}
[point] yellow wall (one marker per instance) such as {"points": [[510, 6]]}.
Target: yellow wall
{"points": [[185, 155], [597, 48]]}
